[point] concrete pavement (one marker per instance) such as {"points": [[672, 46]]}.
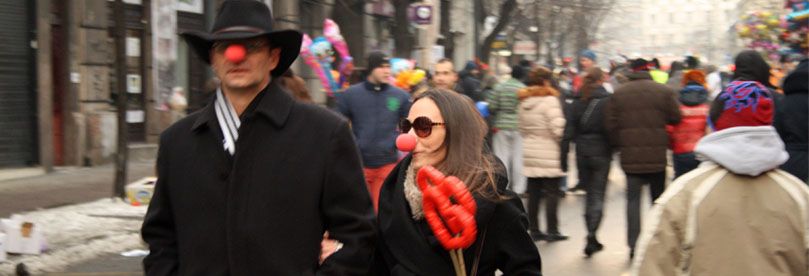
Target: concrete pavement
{"points": [[559, 258]]}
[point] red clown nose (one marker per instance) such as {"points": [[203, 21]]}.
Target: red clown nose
{"points": [[235, 53], [406, 142]]}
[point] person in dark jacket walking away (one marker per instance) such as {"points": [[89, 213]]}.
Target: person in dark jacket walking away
{"points": [[469, 80], [585, 127], [249, 184], [791, 119], [449, 136], [685, 135], [375, 108], [636, 119]]}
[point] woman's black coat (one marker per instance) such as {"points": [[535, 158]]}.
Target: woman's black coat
{"points": [[295, 174], [408, 247]]}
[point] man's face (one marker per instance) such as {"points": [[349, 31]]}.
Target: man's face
{"points": [[380, 74], [585, 63], [251, 73], [445, 76]]}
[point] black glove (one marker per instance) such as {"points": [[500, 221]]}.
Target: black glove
{"points": [[563, 164]]}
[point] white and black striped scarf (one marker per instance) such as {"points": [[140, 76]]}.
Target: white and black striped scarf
{"points": [[229, 121]]}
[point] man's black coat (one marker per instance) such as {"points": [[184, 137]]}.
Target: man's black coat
{"points": [[296, 173]]}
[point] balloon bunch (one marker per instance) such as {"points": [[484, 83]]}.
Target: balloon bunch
{"points": [[319, 55], [796, 27], [762, 30], [450, 210], [404, 74]]}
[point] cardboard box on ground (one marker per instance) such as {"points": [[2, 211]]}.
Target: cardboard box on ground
{"points": [[20, 236], [140, 192]]}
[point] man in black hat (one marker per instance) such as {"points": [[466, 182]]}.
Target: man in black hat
{"points": [[375, 108], [635, 118], [249, 184]]}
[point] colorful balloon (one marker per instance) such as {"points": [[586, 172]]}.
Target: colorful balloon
{"points": [[449, 208]]}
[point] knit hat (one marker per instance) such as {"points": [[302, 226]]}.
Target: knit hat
{"points": [[639, 65], [742, 103], [518, 72], [588, 54], [695, 75], [376, 60]]}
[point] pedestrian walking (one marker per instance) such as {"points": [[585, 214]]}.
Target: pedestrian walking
{"points": [[374, 108], [585, 127], [449, 136], [507, 141], [542, 123], [249, 184], [737, 214], [694, 109], [791, 119], [636, 118]]}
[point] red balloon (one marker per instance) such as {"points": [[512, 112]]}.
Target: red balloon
{"points": [[235, 53], [406, 142], [452, 220]]}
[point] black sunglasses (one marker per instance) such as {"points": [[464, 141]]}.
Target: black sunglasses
{"points": [[422, 125]]}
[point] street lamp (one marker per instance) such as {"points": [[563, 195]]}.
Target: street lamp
{"points": [[533, 29]]}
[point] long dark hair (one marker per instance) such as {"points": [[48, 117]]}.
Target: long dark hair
{"points": [[592, 80], [466, 131]]}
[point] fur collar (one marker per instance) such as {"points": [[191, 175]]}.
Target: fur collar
{"points": [[536, 91]]}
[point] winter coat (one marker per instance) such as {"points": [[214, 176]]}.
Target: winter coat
{"points": [[374, 112], [408, 247], [470, 86], [589, 135], [791, 118], [636, 118], [503, 104], [542, 124], [694, 110], [736, 214], [296, 173]]}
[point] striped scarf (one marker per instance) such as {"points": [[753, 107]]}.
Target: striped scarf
{"points": [[229, 122]]}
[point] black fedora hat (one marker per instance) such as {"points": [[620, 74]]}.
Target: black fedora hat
{"points": [[241, 19]]}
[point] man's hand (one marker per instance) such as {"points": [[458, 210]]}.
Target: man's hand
{"points": [[328, 247]]}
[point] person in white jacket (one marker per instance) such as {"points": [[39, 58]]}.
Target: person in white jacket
{"points": [[737, 213], [541, 124]]}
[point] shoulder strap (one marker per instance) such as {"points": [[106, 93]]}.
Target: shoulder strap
{"points": [[588, 112]]}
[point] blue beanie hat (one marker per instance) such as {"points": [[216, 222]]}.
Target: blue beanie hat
{"points": [[588, 54]]}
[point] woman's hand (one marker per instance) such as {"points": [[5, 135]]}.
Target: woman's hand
{"points": [[328, 247]]}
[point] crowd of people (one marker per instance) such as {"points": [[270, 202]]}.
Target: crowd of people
{"points": [[263, 182]]}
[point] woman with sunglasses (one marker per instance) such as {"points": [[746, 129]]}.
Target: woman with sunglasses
{"points": [[541, 124], [449, 136]]}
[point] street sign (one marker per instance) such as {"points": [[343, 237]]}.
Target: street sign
{"points": [[525, 47], [499, 42], [421, 14]]}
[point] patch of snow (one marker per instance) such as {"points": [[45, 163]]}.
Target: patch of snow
{"points": [[81, 232]]}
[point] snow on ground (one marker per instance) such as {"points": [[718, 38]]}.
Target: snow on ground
{"points": [[81, 232]]}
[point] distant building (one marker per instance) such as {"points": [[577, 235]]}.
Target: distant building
{"points": [[672, 29]]}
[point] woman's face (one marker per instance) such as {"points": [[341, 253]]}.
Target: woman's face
{"points": [[430, 150]]}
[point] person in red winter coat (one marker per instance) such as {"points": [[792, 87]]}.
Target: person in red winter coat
{"points": [[685, 135]]}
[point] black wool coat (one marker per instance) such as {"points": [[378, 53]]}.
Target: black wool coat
{"points": [[295, 174], [407, 247]]}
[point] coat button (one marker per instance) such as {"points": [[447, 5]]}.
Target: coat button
{"points": [[223, 176]]}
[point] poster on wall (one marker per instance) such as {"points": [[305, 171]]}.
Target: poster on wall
{"points": [[133, 83], [193, 6], [135, 116], [165, 53]]}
